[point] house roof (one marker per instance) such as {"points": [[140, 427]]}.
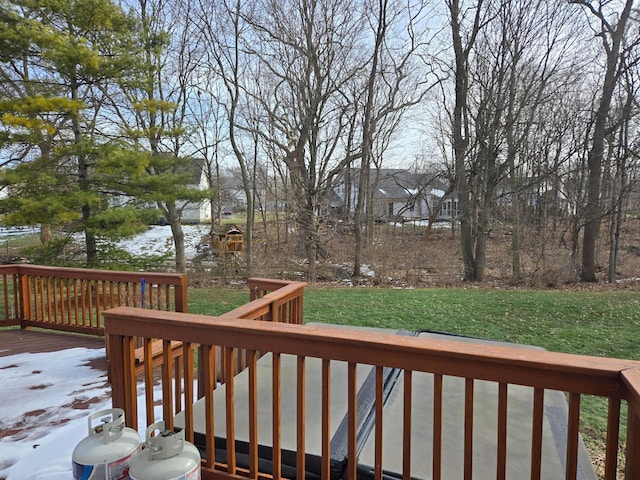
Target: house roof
{"points": [[395, 184]]}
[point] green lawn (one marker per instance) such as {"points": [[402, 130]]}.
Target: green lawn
{"points": [[602, 323]]}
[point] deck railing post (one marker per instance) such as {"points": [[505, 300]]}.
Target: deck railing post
{"points": [[115, 368], [181, 295], [631, 379], [632, 469], [24, 295]]}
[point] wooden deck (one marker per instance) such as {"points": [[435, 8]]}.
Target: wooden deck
{"points": [[14, 341]]}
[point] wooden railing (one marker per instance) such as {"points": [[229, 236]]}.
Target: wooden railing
{"points": [[273, 301], [416, 358], [73, 299], [277, 301]]}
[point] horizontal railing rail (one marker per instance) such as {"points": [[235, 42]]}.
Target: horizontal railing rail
{"points": [[272, 300], [73, 299], [508, 368]]}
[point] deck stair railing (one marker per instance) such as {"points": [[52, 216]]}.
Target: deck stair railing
{"points": [[508, 368]]}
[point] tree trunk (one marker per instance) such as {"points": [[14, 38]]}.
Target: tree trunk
{"points": [[460, 141], [178, 237], [309, 236], [592, 210], [614, 237], [46, 235], [83, 179], [618, 195], [248, 235]]}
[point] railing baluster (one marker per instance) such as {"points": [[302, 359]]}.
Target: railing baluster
{"points": [[301, 415], [276, 455], [148, 379], [613, 439], [468, 428], [177, 382], [127, 295], [632, 465], [83, 301], [97, 307], [502, 432], [33, 293], [379, 405], [6, 299], [437, 427], [326, 423], [5, 296], [188, 363], [90, 287], [105, 305], [352, 421], [112, 299], [67, 287], [75, 303], [16, 310], [167, 384], [43, 305], [134, 294], [251, 357], [536, 433], [55, 285], [49, 301], [208, 357], [406, 428], [229, 355], [572, 436]]}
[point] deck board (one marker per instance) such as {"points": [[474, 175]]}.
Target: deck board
{"points": [[27, 429], [15, 341]]}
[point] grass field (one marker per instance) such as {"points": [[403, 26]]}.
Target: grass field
{"points": [[601, 323], [587, 322]]}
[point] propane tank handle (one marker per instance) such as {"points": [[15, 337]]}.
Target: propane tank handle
{"points": [[163, 443], [109, 430]]}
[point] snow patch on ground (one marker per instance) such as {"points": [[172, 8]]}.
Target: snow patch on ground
{"points": [[39, 398], [158, 240]]}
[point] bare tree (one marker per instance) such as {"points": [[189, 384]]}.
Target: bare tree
{"points": [[621, 162], [391, 88], [306, 54], [210, 129], [463, 42], [222, 32], [611, 28], [504, 73]]}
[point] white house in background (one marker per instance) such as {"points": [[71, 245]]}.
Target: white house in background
{"points": [[191, 212], [199, 212], [401, 195]]}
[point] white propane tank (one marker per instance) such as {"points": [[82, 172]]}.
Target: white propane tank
{"points": [[165, 456], [107, 452]]}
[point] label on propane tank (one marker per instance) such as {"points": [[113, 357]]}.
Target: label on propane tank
{"points": [[116, 470], [193, 474]]}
